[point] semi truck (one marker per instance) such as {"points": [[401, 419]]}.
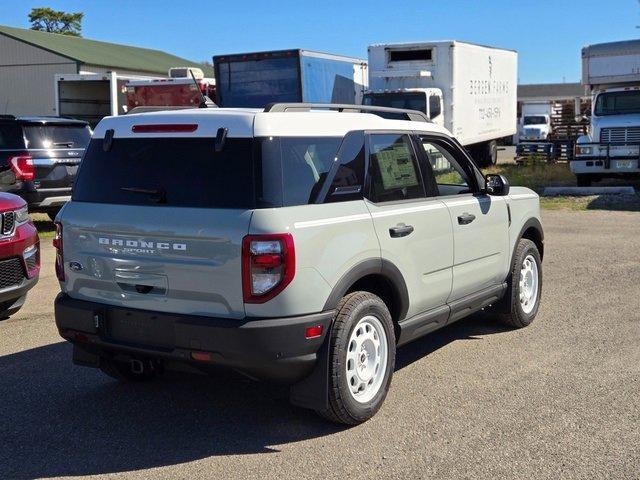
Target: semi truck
{"points": [[470, 89], [257, 79], [611, 73], [92, 96]]}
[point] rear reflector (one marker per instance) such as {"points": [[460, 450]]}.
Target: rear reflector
{"points": [[165, 128], [201, 356], [313, 332]]}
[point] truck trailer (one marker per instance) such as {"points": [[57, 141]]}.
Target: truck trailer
{"points": [[257, 79], [92, 96], [611, 72], [468, 88]]}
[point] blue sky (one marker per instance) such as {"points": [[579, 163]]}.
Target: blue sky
{"points": [[547, 34]]}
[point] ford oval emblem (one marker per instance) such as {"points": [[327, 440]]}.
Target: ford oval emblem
{"points": [[75, 266]]}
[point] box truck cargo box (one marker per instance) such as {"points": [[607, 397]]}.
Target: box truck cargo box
{"points": [[468, 88], [257, 79]]}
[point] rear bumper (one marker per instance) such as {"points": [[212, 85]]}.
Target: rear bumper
{"points": [[271, 349], [40, 199]]}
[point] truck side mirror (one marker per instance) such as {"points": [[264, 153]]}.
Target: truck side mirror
{"points": [[496, 185]]}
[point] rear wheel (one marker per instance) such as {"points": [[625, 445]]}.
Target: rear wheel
{"points": [[362, 352]]}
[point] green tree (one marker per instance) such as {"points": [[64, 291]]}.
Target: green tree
{"points": [[46, 19]]}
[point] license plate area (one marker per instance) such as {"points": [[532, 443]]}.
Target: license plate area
{"points": [[624, 164], [141, 328]]}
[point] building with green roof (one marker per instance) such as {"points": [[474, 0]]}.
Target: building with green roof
{"points": [[30, 61]]}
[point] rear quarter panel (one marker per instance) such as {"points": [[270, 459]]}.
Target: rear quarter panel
{"points": [[330, 239]]}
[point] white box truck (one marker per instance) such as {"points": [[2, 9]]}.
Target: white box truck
{"points": [[611, 72], [92, 96], [468, 88]]}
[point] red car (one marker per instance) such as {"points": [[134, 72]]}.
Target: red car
{"points": [[19, 254]]}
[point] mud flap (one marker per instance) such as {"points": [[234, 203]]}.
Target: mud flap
{"points": [[85, 359], [313, 391]]}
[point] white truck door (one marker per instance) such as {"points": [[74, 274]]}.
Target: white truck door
{"points": [[414, 229], [479, 221]]}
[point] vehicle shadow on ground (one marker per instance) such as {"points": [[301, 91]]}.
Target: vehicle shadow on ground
{"points": [[61, 420]]}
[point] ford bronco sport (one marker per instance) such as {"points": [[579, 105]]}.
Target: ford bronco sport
{"points": [[290, 244]]}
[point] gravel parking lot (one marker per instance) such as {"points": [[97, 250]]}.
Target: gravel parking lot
{"points": [[560, 399]]}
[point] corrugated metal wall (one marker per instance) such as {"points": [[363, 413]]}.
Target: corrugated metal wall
{"points": [[26, 78]]}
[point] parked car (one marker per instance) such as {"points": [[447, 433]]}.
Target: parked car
{"points": [[19, 254], [295, 246], [39, 157]]}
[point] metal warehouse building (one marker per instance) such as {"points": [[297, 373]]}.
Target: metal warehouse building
{"points": [[29, 61]]}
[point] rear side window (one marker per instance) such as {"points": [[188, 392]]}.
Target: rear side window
{"points": [[10, 136], [394, 169], [56, 136], [177, 172], [295, 168]]}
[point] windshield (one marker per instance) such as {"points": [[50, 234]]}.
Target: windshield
{"points": [[536, 120], [618, 103], [56, 136], [255, 83], [405, 100]]}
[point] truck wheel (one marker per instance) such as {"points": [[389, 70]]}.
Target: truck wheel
{"points": [[122, 371], [583, 180], [492, 153], [522, 299], [362, 353]]}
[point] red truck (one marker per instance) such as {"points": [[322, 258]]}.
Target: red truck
{"points": [[181, 89], [19, 254]]}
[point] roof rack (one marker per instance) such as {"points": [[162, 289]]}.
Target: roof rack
{"points": [[412, 115]]}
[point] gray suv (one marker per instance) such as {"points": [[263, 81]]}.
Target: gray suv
{"points": [[300, 244]]}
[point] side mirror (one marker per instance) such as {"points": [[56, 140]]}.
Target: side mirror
{"points": [[496, 185]]}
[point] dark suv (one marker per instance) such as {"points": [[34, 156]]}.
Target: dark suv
{"points": [[39, 157]]}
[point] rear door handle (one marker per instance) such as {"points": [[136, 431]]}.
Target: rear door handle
{"points": [[401, 230], [466, 218]]}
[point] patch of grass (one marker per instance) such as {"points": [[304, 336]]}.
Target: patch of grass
{"points": [[45, 226], [535, 175], [626, 203]]}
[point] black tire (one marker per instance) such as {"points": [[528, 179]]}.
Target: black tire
{"points": [[122, 371], [583, 180], [492, 153], [11, 307], [343, 407], [511, 312], [485, 154]]}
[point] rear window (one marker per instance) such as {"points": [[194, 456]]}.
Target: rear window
{"points": [[10, 136], [56, 136], [178, 172]]}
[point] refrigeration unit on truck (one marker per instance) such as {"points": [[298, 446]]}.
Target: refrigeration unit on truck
{"points": [[92, 96], [547, 130], [185, 86], [611, 72], [258, 79], [470, 89]]}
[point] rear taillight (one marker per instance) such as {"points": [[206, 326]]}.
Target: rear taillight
{"points": [[57, 244], [268, 266], [22, 166]]}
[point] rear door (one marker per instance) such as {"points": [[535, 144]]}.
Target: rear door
{"points": [[480, 222], [414, 230], [57, 149], [157, 224]]}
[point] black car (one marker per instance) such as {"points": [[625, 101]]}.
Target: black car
{"points": [[39, 158]]}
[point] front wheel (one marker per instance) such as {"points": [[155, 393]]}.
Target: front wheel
{"points": [[522, 299], [362, 352]]}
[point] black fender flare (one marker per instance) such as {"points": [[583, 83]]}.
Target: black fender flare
{"points": [[373, 266], [531, 223]]}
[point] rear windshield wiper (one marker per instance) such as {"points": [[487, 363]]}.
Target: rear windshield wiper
{"points": [[159, 194], [63, 144]]}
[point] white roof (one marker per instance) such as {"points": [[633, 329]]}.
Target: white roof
{"points": [[252, 122]]}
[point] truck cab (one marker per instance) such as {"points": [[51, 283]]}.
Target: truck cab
{"points": [[535, 127], [612, 149], [427, 100]]}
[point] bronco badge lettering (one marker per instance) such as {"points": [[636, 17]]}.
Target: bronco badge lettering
{"points": [[141, 244]]}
